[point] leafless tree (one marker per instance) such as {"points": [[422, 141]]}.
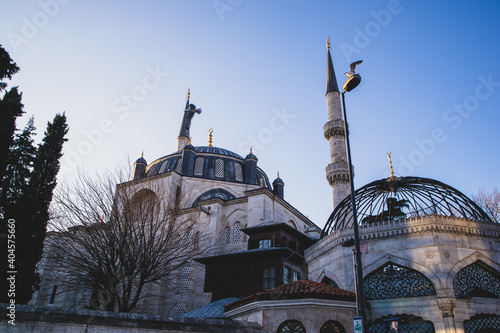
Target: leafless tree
{"points": [[123, 242], [489, 202]]}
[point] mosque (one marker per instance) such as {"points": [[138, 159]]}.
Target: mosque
{"points": [[430, 255]]}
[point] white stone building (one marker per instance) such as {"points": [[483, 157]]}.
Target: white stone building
{"points": [[430, 256]]}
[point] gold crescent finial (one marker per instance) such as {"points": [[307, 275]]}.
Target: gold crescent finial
{"points": [[328, 42], [189, 93], [210, 131], [261, 183]]}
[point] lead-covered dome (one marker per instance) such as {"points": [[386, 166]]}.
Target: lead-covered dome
{"points": [[209, 163], [405, 197]]}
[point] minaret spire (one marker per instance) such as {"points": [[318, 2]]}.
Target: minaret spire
{"points": [[337, 172], [331, 80]]}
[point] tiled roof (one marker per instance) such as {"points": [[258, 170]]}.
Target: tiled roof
{"points": [[296, 290]]}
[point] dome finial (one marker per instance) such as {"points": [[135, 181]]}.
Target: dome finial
{"points": [[142, 154], [187, 100], [251, 150], [210, 131], [328, 42], [278, 174], [392, 171]]}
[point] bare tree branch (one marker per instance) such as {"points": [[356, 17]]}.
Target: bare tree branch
{"points": [[122, 241], [489, 202]]}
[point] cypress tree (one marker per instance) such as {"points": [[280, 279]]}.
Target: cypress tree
{"points": [[10, 108], [27, 180]]}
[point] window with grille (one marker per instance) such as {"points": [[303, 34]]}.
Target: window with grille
{"points": [[483, 323], [268, 277], [332, 326], [237, 232], [178, 166], [183, 279], [227, 235], [404, 323], [179, 311], [238, 173], [198, 166], [330, 282], [291, 326], [394, 281], [219, 168], [476, 280]]}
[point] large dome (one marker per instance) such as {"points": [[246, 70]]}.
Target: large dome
{"points": [[406, 197], [209, 163]]}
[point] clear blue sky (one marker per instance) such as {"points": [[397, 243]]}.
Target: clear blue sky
{"points": [[430, 92]]}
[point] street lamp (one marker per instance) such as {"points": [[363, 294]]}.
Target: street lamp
{"points": [[353, 79]]}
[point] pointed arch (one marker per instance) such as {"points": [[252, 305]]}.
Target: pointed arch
{"points": [[436, 281], [477, 279], [468, 261], [395, 281]]}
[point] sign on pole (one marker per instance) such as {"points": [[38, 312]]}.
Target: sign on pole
{"points": [[357, 324]]}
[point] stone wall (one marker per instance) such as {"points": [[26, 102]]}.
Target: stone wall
{"points": [[57, 320]]}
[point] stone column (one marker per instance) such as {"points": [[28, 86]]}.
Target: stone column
{"points": [[447, 307]]}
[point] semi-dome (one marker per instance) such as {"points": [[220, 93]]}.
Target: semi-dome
{"points": [[394, 198], [209, 163]]}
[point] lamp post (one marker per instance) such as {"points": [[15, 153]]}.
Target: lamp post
{"points": [[353, 79]]}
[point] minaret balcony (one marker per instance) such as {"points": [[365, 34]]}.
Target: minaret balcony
{"points": [[334, 128], [337, 172]]}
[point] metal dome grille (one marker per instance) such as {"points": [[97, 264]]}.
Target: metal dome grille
{"points": [[406, 197]]}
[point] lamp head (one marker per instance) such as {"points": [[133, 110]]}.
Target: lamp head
{"points": [[352, 82]]}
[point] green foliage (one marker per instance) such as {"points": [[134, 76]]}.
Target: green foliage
{"points": [[27, 180], [7, 67]]}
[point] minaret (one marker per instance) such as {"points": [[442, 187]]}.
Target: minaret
{"points": [[337, 172]]}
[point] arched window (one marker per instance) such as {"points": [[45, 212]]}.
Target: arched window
{"points": [[332, 326], [477, 280], [238, 173], [198, 166], [482, 323], [394, 281], [219, 168], [143, 205], [179, 311], [403, 322], [237, 232], [291, 326], [227, 235]]}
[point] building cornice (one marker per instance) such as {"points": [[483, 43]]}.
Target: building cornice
{"points": [[289, 303], [430, 224]]}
